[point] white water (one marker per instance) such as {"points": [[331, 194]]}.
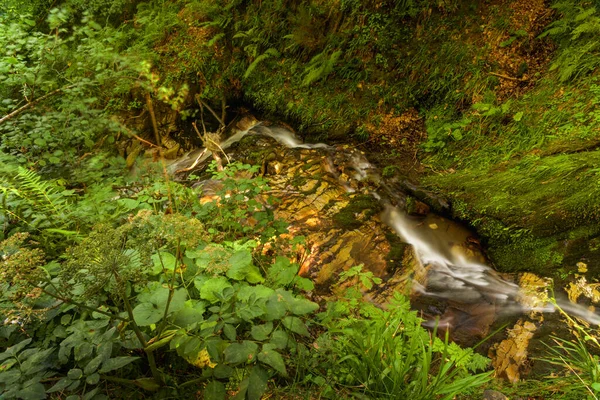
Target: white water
{"points": [[280, 134], [450, 276]]}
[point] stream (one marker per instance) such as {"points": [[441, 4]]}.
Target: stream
{"points": [[448, 281]]}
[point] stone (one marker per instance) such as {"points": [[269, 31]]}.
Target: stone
{"points": [[509, 357]]}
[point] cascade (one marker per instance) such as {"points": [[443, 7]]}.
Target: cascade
{"points": [[450, 276]]}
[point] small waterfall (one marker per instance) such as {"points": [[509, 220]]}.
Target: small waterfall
{"points": [[450, 276]]}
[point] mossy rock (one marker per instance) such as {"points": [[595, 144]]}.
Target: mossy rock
{"points": [[360, 206]]}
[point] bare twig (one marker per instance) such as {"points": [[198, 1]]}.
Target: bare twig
{"points": [[33, 103], [211, 111]]}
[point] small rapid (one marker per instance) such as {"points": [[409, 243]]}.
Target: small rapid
{"points": [[450, 275]]}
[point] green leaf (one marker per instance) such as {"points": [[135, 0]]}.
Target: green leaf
{"points": [[147, 314], [241, 267], [83, 350], [93, 379], [229, 331], [93, 365], [518, 116], [275, 308], [60, 385], [280, 339], [13, 350], [243, 352], [222, 371], [258, 291], [283, 272], [296, 325], [163, 259], [257, 383], [212, 286], [304, 284], [75, 373], [191, 313], [131, 204], [239, 263], [115, 363], [33, 391], [303, 306], [40, 142], [261, 332], [274, 360], [215, 390], [148, 384]]}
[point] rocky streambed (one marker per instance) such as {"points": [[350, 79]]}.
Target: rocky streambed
{"points": [[349, 215]]}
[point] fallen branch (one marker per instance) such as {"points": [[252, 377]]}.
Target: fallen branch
{"points": [[33, 103], [193, 165], [510, 78]]}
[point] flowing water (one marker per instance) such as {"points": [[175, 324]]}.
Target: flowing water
{"points": [[451, 275]]}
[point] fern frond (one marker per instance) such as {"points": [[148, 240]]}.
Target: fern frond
{"points": [[320, 66], [267, 54]]}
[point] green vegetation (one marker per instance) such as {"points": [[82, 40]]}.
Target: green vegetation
{"points": [[117, 282]]}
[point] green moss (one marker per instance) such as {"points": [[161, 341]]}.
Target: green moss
{"points": [[364, 205], [396, 254]]}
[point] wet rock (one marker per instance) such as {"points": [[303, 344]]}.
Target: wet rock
{"points": [[510, 357], [415, 207]]}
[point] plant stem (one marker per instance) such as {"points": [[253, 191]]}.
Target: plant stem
{"points": [[78, 304]]}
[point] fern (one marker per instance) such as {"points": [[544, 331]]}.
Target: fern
{"points": [[320, 67], [267, 54], [577, 32], [26, 197]]}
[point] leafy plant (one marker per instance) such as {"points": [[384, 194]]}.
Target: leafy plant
{"points": [[389, 355]]}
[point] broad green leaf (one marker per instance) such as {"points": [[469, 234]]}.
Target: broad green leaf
{"points": [[40, 142], [147, 314], [215, 390], [279, 339], [273, 359], [191, 313], [243, 352], [230, 332], [241, 267], [60, 385], [296, 325], [83, 350], [258, 291], [222, 371], [116, 363], [75, 373], [130, 204], [257, 383], [304, 284], [13, 350], [163, 260], [93, 365], [282, 272], [261, 332], [239, 263], [212, 286], [275, 308], [303, 306], [33, 391], [93, 379]]}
